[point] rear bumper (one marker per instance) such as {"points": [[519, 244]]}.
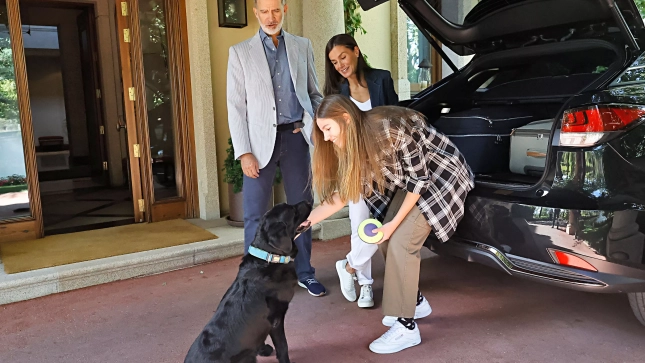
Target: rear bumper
{"points": [[610, 278]]}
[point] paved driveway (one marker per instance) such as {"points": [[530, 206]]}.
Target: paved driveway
{"points": [[480, 315]]}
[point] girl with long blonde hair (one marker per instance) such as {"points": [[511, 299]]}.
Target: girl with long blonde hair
{"points": [[412, 178], [347, 73]]}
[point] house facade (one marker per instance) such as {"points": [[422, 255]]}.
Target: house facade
{"points": [[114, 111]]}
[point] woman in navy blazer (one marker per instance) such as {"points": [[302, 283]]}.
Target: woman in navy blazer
{"points": [[380, 87], [347, 73]]}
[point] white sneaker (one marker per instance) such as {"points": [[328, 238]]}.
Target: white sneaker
{"points": [[422, 310], [346, 281], [396, 339], [366, 300]]}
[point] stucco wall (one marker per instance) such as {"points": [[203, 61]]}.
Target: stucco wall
{"points": [[220, 41], [299, 20], [376, 43]]}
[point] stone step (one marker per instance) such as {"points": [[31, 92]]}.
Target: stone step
{"points": [[47, 281]]}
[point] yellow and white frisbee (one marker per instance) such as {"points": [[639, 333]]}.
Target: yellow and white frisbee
{"points": [[366, 231]]}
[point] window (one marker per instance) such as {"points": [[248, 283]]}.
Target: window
{"points": [[640, 4], [419, 50]]}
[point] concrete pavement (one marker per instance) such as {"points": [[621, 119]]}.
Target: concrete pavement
{"points": [[480, 315], [230, 242]]}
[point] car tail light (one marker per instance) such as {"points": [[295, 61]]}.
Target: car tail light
{"points": [[587, 126], [571, 260]]}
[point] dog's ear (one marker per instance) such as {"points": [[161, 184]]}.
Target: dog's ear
{"points": [[279, 237], [302, 211]]}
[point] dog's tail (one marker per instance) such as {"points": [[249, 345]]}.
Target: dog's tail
{"points": [[265, 350]]}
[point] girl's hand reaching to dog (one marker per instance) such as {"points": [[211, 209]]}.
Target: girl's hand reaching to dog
{"points": [[304, 226], [320, 213]]}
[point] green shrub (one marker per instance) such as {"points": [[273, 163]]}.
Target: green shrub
{"points": [[233, 170], [14, 179]]}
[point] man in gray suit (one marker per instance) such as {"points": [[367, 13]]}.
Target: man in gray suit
{"points": [[272, 94]]}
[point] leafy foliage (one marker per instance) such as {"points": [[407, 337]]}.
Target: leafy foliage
{"points": [[414, 56], [353, 21], [233, 169], [153, 23], [13, 180], [8, 95], [640, 4]]}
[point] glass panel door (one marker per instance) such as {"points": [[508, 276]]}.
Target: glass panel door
{"points": [[159, 97], [155, 77], [160, 65], [14, 189]]}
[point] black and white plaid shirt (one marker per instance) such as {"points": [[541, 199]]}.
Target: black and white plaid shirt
{"points": [[429, 164]]}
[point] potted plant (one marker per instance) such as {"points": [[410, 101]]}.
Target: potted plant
{"points": [[234, 176]]}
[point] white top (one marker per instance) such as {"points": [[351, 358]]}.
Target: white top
{"points": [[363, 106]]}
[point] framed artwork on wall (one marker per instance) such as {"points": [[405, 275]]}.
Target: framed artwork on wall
{"points": [[232, 13]]}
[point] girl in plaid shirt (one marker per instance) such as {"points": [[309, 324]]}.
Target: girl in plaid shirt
{"points": [[412, 178]]}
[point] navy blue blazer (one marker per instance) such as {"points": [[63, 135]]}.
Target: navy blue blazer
{"points": [[380, 86]]}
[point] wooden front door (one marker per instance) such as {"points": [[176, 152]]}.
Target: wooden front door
{"points": [[129, 110], [156, 80], [155, 85]]}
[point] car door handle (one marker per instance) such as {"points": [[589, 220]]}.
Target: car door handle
{"points": [[536, 154]]}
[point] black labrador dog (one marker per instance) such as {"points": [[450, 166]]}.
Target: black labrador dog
{"points": [[255, 305]]}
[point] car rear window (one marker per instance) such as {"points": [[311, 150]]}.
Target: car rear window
{"points": [[569, 64]]}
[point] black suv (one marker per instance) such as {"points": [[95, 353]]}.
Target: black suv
{"points": [[550, 115]]}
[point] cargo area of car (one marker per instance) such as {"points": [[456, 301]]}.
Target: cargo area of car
{"points": [[502, 109]]}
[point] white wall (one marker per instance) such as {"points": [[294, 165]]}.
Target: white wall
{"points": [[40, 37], [65, 19], [376, 43], [46, 96]]}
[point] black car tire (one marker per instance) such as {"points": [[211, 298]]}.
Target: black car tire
{"points": [[637, 301]]}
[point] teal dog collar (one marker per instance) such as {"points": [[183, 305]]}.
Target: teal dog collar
{"points": [[268, 257]]}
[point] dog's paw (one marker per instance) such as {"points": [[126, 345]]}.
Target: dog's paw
{"points": [[265, 350]]}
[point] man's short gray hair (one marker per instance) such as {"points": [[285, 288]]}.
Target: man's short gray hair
{"points": [[255, 2]]}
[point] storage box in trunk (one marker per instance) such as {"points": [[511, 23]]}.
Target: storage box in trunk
{"points": [[483, 135], [529, 146]]}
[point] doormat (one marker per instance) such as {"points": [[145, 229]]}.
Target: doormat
{"points": [[69, 248]]}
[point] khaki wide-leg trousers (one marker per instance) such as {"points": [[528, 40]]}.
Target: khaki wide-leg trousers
{"points": [[402, 253]]}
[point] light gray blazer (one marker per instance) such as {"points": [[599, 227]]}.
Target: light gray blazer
{"points": [[251, 103]]}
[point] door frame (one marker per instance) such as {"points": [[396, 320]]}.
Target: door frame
{"points": [[25, 227], [93, 89], [129, 113]]}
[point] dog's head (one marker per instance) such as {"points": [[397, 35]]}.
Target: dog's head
{"points": [[278, 228]]}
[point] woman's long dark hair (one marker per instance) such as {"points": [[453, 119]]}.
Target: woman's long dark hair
{"points": [[333, 79]]}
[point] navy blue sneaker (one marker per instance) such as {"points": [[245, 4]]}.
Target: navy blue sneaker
{"points": [[314, 287]]}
